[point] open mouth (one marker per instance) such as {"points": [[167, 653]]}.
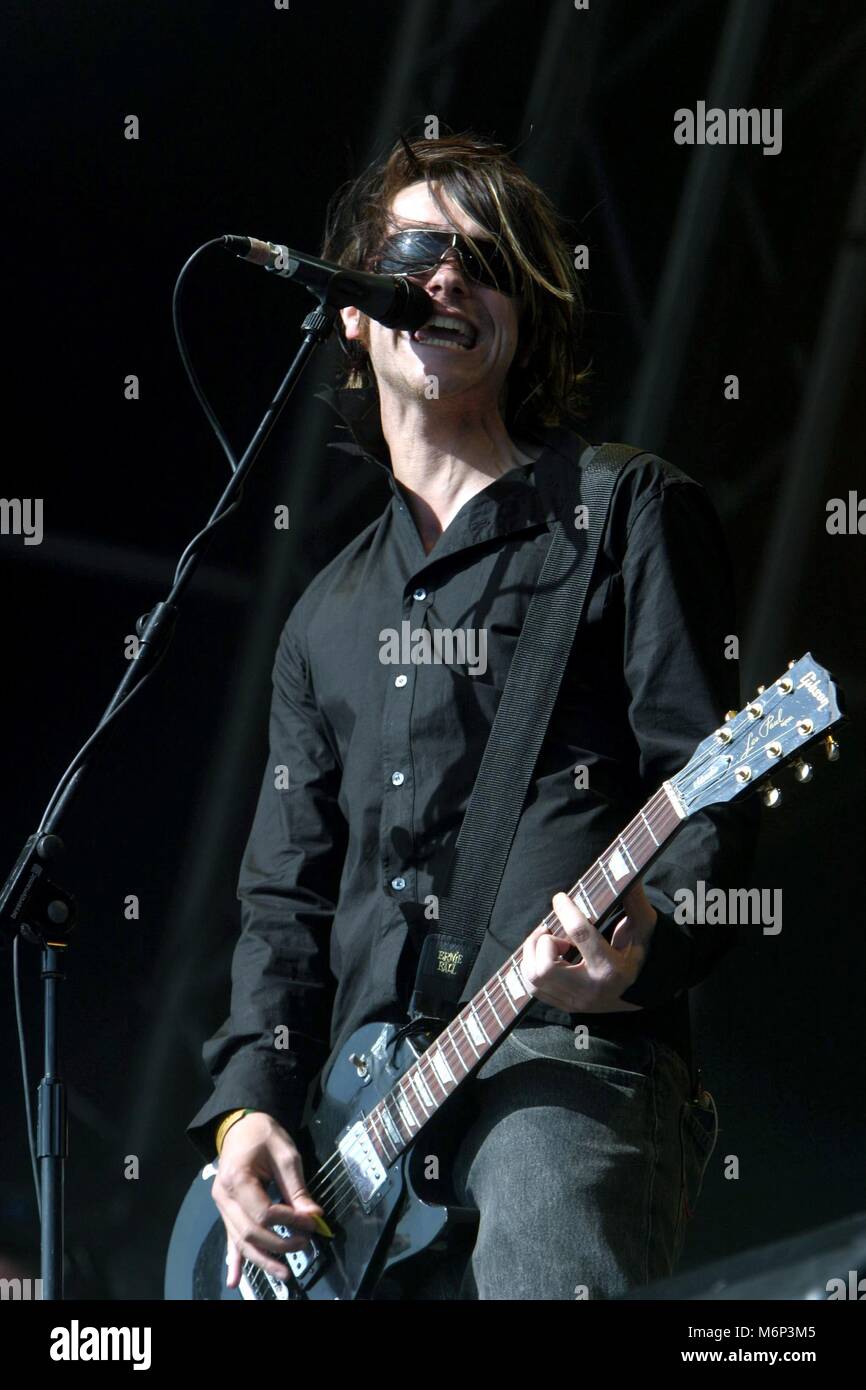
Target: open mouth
{"points": [[447, 331]]}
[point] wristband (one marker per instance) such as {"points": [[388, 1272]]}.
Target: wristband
{"points": [[226, 1123]]}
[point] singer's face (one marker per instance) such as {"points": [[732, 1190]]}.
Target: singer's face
{"points": [[405, 363]]}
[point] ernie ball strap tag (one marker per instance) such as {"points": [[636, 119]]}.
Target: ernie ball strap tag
{"points": [[442, 961]]}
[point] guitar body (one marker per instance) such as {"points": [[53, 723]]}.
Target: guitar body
{"points": [[367, 1242]]}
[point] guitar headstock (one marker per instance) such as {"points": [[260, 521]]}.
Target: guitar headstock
{"points": [[777, 727]]}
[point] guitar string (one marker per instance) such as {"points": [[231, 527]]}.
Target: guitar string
{"points": [[487, 1006], [337, 1184], [341, 1184], [342, 1193], [635, 832], [332, 1185]]}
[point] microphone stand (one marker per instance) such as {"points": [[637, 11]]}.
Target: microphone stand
{"points": [[43, 912]]}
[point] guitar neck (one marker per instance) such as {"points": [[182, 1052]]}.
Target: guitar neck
{"points": [[394, 1122]]}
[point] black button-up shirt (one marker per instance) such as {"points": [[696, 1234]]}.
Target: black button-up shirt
{"points": [[373, 756]]}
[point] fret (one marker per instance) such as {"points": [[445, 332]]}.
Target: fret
{"points": [[626, 851], [497, 979], [392, 1112], [611, 885], [492, 1007], [421, 1088], [428, 1057], [437, 1058], [583, 902], [469, 1036], [648, 826], [394, 1136], [379, 1136], [407, 1112], [514, 986], [474, 1021], [455, 1047]]}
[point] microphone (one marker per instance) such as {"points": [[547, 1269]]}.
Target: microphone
{"points": [[391, 300]]}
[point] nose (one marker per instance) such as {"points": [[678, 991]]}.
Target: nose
{"points": [[447, 275]]}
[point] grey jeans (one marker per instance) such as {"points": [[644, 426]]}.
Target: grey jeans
{"points": [[584, 1164]]}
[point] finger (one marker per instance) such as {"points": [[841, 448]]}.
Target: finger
{"points": [[581, 933], [289, 1173], [244, 1187], [234, 1264], [541, 952], [637, 904], [551, 952], [248, 1251], [252, 1235], [254, 1227], [530, 945], [622, 937]]}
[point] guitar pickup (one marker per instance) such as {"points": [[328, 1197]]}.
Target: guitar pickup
{"points": [[362, 1164]]}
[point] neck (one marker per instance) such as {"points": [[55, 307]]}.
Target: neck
{"points": [[443, 453]]}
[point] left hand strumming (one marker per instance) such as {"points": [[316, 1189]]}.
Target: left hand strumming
{"points": [[595, 984]]}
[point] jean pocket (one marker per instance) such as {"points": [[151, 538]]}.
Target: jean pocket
{"points": [[699, 1131], [628, 1060]]}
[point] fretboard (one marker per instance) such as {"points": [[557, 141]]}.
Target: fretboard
{"points": [[394, 1122]]}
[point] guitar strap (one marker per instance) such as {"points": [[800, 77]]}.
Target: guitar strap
{"points": [[546, 638]]}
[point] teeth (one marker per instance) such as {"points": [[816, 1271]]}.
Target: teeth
{"points": [[461, 334], [444, 342]]}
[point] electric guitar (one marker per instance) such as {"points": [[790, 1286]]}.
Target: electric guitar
{"points": [[389, 1082]]}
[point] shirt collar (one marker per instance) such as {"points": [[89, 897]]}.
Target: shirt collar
{"points": [[361, 424]]}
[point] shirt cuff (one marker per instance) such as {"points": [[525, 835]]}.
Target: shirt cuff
{"points": [[247, 1088]]}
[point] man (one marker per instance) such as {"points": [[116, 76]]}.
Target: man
{"points": [[581, 1144]]}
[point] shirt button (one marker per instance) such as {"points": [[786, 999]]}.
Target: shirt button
{"points": [[398, 779], [400, 681], [398, 883], [420, 594]]}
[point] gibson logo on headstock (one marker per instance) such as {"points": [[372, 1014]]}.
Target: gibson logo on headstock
{"points": [[714, 770], [766, 727], [810, 683]]}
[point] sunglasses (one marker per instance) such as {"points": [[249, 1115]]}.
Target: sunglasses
{"points": [[416, 251]]}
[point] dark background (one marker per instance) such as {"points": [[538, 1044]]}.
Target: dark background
{"points": [[704, 262]]}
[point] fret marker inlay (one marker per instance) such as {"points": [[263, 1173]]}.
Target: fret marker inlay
{"points": [[476, 1032], [513, 984], [618, 866], [441, 1067]]}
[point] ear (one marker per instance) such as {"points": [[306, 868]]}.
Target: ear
{"points": [[351, 322]]}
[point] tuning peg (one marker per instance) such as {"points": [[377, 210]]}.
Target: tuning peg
{"points": [[760, 690], [802, 770], [831, 748], [731, 714], [771, 796], [791, 665]]}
